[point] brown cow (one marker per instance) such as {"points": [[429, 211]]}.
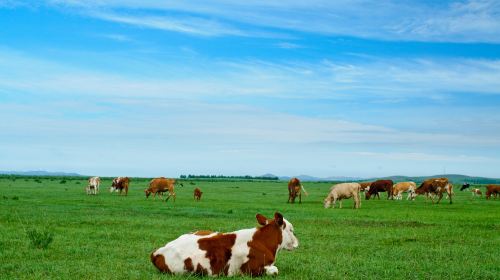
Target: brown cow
{"points": [[380, 186], [294, 190], [436, 186], [197, 194], [159, 186], [492, 190], [120, 184], [476, 192]]}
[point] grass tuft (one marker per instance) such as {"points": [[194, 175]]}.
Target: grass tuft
{"points": [[40, 239]]}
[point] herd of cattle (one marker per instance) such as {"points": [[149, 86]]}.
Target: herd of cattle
{"points": [[253, 251], [432, 188]]}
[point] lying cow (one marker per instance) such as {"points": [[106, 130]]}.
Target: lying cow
{"points": [[93, 185], [120, 184], [341, 191], [248, 251], [197, 194], [158, 186], [492, 190], [436, 187], [401, 187], [476, 192], [294, 190], [379, 186]]}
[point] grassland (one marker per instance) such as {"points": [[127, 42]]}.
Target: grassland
{"points": [[111, 237]]}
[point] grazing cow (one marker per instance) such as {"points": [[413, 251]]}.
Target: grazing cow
{"points": [[294, 190], [341, 191], [436, 186], [365, 186], [401, 187], [476, 192], [379, 186], [492, 190], [197, 194], [159, 186], [93, 186], [464, 186], [120, 184], [248, 251]]}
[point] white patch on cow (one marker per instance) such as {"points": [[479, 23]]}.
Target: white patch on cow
{"points": [[271, 270], [240, 250], [186, 246], [289, 241]]}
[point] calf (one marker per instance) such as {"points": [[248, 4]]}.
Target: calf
{"points": [[159, 186], [120, 184], [401, 187], [197, 194], [294, 190], [248, 251], [341, 191], [476, 192], [93, 185], [492, 190], [379, 186]]}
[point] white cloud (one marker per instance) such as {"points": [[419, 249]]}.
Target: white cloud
{"points": [[452, 21]]}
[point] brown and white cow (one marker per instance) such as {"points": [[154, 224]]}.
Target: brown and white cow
{"points": [[294, 190], [379, 186], [248, 251], [476, 192], [120, 184], [401, 187], [197, 194], [436, 187], [160, 186], [492, 190], [365, 186], [342, 191], [93, 185]]}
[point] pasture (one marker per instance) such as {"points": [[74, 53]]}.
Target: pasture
{"points": [[111, 237]]}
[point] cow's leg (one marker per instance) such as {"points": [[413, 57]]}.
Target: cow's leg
{"points": [[440, 197], [340, 203], [271, 270], [300, 197]]}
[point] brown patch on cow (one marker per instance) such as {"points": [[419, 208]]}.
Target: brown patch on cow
{"points": [[203, 232], [188, 265], [380, 186], [218, 251], [200, 270], [159, 262], [263, 247]]}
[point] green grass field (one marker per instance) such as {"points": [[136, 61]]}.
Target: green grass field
{"points": [[111, 237]]}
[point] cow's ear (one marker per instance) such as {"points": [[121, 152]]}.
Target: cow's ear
{"points": [[261, 219], [278, 218]]}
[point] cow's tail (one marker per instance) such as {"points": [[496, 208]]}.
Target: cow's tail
{"points": [[304, 190]]}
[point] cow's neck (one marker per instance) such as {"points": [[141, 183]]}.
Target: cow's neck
{"points": [[270, 236]]}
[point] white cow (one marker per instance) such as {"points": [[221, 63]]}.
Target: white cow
{"points": [[341, 191], [93, 186]]}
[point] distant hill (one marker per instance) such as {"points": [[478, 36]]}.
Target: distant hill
{"points": [[307, 178], [454, 178], [39, 173]]}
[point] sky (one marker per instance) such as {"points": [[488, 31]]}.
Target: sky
{"points": [[324, 88]]}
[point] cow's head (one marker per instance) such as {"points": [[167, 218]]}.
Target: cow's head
{"points": [[289, 241], [367, 195], [327, 202], [148, 192]]}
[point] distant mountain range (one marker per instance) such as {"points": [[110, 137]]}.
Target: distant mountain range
{"points": [[38, 173], [455, 178]]}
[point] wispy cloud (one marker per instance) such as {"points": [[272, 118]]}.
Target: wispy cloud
{"points": [[447, 21]]}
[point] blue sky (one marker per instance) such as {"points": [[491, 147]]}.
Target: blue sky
{"points": [[163, 88]]}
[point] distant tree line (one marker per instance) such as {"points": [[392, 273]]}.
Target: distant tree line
{"points": [[246, 177]]}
